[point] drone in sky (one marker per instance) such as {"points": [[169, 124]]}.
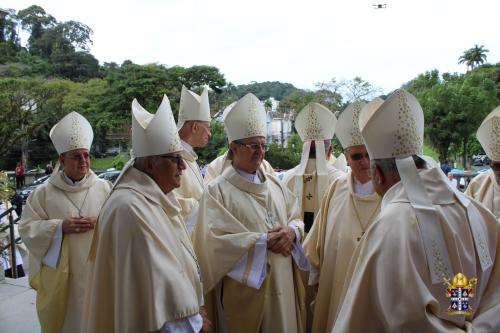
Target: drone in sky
{"points": [[380, 6]]}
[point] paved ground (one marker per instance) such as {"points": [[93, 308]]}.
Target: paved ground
{"points": [[17, 307]]}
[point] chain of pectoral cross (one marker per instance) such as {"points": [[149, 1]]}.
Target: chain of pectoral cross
{"points": [[270, 219]]}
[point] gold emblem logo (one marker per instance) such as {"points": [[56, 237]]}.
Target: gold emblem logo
{"points": [[460, 291]]}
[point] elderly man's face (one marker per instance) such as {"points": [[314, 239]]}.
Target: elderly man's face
{"points": [[76, 163], [166, 171], [248, 153], [359, 161], [202, 133]]}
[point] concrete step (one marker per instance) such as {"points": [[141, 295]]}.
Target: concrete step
{"points": [[17, 307]]}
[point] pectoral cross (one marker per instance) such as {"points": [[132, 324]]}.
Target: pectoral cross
{"points": [[362, 233], [270, 219]]}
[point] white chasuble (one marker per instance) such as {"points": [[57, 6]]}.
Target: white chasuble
{"points": [[342, 220], [192, 185], [309, 198], [234, 215], [144, 272], [391, 288], [60, 290], [485, 189]]}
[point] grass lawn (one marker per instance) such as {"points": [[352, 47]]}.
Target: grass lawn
{"points": [[101, 164], [431, 152]]}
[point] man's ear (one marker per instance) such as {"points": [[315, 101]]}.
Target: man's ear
{"points": [[232, 147], [377, 175], [61, 159], [194, 126]]}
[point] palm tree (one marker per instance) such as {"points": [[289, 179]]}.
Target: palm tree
{"points": [[474, 57]]}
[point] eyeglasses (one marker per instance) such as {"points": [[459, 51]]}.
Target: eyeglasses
{"points": [[359, 156], [174, 158], [254, 146], [78, 157]]}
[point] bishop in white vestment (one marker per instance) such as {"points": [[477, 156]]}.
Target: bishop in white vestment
{"points": [[145, 276], [194, 130], [247, 237], [57, 225], [347, 210], [485, 187], [427, 241]]}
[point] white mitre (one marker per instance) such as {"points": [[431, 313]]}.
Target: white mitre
{"points": [[71, 132], [488, 134], [193, 107], [227, 109], [154, 134], [396, 130], [314, 123], [368, 110], [246, 119], [347, 126]]}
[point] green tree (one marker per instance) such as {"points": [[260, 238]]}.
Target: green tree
{"points": [[454, 106], [9, 39], [473, 57], [36, 21]]}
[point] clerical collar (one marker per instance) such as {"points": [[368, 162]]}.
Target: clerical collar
{"points": [[71, 182], [251, 177], [187, 146], [361, 189]]}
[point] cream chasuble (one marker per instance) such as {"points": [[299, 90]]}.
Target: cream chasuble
{"points": [[144, 271], [60, 291], [234, 214], [343, 218], [377, 301], [192, 186], [309, 200], [485, 189], [218, 165]]}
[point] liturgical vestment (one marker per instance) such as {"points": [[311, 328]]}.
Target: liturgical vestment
{"points": [[485, 189], [391, 289], [192, 186], [234, 214], [343, 218], [60, 290], [309, 199], [144, 271]]}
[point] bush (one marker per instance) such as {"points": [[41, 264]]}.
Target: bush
{"points": [[282, 158]]}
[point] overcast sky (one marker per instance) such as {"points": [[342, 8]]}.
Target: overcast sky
{"points": [[300, 42]]}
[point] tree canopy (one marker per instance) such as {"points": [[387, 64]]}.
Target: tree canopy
{"points": [[55, 73]]}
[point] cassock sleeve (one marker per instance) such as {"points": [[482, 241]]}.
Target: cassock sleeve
{"points": [[36, 228], [51, 259], [192, 324], [251, 269]]}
